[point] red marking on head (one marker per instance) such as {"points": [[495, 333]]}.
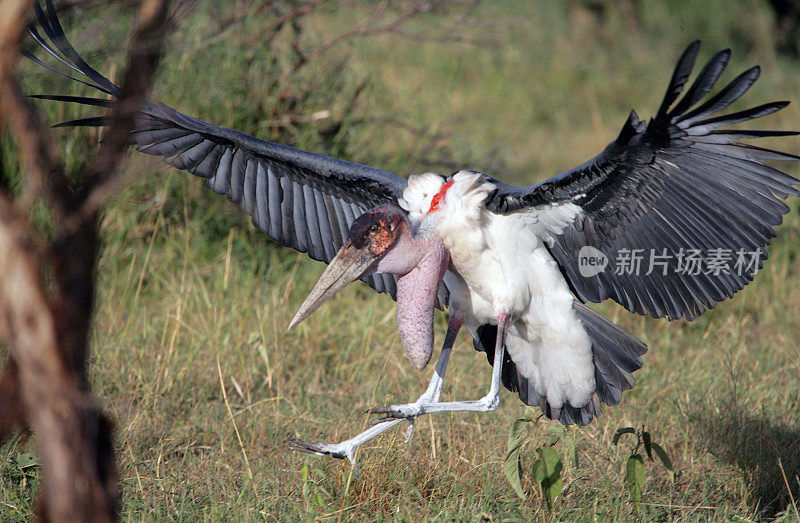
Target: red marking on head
{"points": [[438, 197], [383, 238]]}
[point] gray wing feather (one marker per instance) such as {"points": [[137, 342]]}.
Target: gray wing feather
{"points": [[294, 205], [300, 199]]}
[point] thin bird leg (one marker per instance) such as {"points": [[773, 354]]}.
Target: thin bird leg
{"points": [[347, 448], [488, 403], [434, 390]]}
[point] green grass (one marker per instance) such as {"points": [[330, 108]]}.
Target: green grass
{"points": [[186, 283]]}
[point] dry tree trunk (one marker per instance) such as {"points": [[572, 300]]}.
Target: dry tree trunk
{"points": [[47, 287]]}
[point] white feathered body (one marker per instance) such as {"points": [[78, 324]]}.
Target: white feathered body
{"points": [[499, 263]]}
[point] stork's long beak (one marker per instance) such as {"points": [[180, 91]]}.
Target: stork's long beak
{"points": [[348, 265]]}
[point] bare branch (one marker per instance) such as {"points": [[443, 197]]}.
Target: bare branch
{"points": [[363, 28], [275, 26], [269, 32], [379, 22]]}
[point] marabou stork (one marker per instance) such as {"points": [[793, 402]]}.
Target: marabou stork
{"points": [[506, 260]]}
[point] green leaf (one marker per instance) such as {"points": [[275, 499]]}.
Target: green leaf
{"points": [[647, 444], [306, 490], [662, 455], [26, 460], [556, 433], [546, 464], [512, 469], [512, 466], [547, 472], [568, 451], [634, 477], [516, 430], [620, 432]]}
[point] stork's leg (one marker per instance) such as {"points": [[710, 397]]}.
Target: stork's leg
{"points": [[347, 448], [434, 389], [491, 401]]}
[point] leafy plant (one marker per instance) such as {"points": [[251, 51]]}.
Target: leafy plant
{"points": [[512, 464], [634, 466], [547, 468], [314, 494], [547, 471], [23, 468]]}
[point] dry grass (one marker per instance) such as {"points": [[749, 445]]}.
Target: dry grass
{"points": [[187, 284]]}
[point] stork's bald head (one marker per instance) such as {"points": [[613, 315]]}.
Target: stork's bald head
{"points": [[377, 229], [371, 237]]}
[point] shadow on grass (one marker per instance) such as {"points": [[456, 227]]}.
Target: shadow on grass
{"points": [[756, 445]]}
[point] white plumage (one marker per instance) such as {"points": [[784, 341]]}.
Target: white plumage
{"points": [[501, 265]]}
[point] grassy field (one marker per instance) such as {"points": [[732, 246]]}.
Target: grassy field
{"points": [[191, 353]]}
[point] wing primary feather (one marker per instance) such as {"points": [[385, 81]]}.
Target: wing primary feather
{"points": [[704, 83], [324, 225], [220, 180], [269, 198], [208, 164], [729, 94], [188, 157], [173, 146], [338, 226], [249, 188], [679, 78], [83, 100], [238, 167], [316, 245], [92, 121], [35, 59], [149, 137], [59, 38], [739, 116]]}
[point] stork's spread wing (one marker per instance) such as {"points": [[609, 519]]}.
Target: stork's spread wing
{"points": [[300, 199], [678, 210]]}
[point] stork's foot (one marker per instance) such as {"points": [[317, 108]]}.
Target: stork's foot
{"points": [[334, 450], [411, 411], [345, 449]]}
